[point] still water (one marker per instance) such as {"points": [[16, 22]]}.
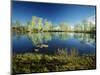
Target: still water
{"points": [[28, 42]]}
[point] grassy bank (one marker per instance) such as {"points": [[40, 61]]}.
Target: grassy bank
{"points": [[61, 61]]}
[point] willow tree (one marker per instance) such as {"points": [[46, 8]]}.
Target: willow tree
{"points": [[40, 24], [34, 21], [50, 25], [84, 25], [64, 26], [47, 25], [78, 27], [92, 27], [29, 27]]}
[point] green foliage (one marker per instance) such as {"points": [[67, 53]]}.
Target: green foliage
{"points": [[40, 24], [64, 26], [34, 19], [61, 61]]}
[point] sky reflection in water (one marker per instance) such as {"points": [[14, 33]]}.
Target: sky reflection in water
{"points": [[24, 43]]}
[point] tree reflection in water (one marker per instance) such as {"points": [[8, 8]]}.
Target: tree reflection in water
{"points": [[55, 40], [44, 37]]}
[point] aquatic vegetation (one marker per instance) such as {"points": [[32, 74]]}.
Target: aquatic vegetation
{"points": [[60, 61]]}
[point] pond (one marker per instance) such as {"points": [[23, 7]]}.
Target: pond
{"points": [[85, 43]]}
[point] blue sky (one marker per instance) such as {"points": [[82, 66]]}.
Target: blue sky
{"points": [[56, 13]]}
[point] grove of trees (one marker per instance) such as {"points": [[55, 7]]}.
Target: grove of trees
{"points": [[38, 24]]}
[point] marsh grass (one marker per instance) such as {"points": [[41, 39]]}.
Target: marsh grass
{"points": [[60, 61]]}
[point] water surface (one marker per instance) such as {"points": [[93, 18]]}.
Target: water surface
{"points": [[28, 42]]}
